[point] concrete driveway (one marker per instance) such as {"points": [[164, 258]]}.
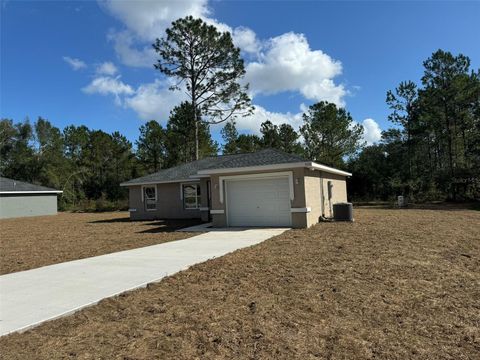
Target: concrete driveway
{"points": [[29, 298]]}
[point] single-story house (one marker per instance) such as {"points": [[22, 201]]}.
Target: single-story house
{"points": [[20, 199], [263, 188]]}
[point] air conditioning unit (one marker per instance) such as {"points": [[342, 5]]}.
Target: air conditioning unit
{"points": [[343, 212]]}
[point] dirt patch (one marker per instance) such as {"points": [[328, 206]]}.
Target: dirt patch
{"points": [[396, 284], [27, 243]]}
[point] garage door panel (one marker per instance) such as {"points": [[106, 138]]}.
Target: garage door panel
{"points": [[258, 202]]}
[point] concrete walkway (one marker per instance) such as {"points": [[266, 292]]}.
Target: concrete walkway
{"points": [[29, 298]]}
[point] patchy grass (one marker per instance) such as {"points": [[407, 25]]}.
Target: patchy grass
{"points": [[27, 243], [396, 284]]}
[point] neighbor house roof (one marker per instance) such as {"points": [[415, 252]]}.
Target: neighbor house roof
{"points": [[10, 186], [266, 159]]}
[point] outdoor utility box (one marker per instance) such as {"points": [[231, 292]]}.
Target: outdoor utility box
{"points": [[402, 201], [343, 212]]}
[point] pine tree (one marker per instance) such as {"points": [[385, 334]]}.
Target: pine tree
{"points": [[180, 136], [151, 146], [210, 66], [330, 134]]}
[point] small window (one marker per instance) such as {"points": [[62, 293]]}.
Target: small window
{"points": [[191, 196], [150, 197]]}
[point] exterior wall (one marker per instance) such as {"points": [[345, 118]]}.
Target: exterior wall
{"points": [[205, 212], [307, 186], [27, 205], [339, 192], [169, 203], [299, 219], [313, 196]]}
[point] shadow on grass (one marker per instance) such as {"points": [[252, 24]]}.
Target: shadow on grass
{"points": [[107, 221], [444, 206], [170, 225], [161, 225]]}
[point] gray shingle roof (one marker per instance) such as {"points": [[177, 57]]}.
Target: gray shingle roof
{"points": [[185, 171], [10, 185]]}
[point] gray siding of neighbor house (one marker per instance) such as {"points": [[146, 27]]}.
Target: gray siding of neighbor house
{"points": [[24, 205], [169, 203]]}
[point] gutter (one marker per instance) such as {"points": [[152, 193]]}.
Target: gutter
{"points": [[315, 166], [158, 182], [309, 164], [31, 192]]}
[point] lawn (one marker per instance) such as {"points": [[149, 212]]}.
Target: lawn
{"points": [[27, 243], [396, 284]]}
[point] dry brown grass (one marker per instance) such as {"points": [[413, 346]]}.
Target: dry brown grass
{"points": [[27, 243], [396, 284]]}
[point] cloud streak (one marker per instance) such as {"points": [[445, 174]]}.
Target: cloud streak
{"points": [[106, 68], [105, 85], [75, 64]]}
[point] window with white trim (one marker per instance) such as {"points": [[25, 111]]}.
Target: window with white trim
{"points": [[191, 196], [150, 198]]}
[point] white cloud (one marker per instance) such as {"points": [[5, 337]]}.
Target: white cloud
{"points": [[288, 64], [150, 101], [106, 68], [145, 21], [76, 64], [246, 39], [154, 101], [106, 85], [148, 19], [252, 123], [371, 131], [130, 54]]}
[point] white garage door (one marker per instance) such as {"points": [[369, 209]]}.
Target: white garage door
{"points": [[258, 202]]}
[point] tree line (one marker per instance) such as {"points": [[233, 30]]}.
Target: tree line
{"points": [[432, 151]]}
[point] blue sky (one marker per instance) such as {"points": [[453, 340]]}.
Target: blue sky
{"points": [[90, 62]]}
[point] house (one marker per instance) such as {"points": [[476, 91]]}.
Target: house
{"points": [[20, 199], [264, 188]]}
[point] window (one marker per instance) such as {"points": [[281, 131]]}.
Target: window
{"points": [[150, 197], [191, 196]]}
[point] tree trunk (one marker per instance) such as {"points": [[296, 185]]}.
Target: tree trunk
{"points": [[196, 138], [193, 84], [194, 106], [450, 152]]}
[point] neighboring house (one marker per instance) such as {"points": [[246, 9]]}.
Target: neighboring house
{"points": [[19, 199], [264, 188]]}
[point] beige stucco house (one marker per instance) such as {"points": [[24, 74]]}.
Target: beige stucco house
{"points": [[264, 188]]}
